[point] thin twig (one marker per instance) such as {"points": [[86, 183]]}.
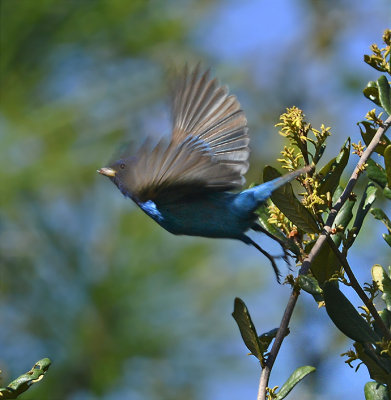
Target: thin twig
{"points": [[265, 375], [263, 382]]}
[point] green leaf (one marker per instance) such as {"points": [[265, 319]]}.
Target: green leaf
{"points": [[345, 317], [264, 216], [387, 192], [384, 94], [371, 92], [21, 384], [342, 219], [247, 329], [381, 216], [332, 171], [386, 317], [309, 284], [325, 264], [345, 214], [298, 375], [375, 391], [367, 199], [387, 162], [378, 366], [383, 282], [337, 193], [376, 173], [368, 132], [267, 337], [287, 202], [387, 238]]}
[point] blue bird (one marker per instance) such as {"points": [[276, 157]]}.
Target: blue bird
{"points": [[185, 185]]}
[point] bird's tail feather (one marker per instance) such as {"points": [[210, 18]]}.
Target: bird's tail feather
{"points": [[281, 181], [264, 191], [250, 199]]}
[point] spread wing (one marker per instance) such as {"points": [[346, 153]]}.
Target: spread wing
{"points": [[209, 145]]}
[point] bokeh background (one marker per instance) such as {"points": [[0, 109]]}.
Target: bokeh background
{"points": [[124, 309]]}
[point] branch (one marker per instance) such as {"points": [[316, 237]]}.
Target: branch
{"points": [[281, 333], [265, 375], [344, 196]]}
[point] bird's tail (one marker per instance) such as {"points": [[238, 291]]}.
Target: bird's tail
{"points": [[282, 180], [250, 199], [264, 191]]}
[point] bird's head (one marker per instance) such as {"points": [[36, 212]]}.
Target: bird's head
{"points": [[119, 172]]}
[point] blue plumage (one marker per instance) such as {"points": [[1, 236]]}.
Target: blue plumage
{"points": [[185, 185]]}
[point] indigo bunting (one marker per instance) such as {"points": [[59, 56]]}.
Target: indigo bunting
{"points": [[185, 185]]}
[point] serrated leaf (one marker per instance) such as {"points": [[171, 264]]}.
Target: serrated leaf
{"points": [[384, 94], [368, 132], [345, 317], [247, 329], [290, 206], [263, 220], [298, 375], [383, 282], [332, 171], [387, 162], [371, 92], [21, 384], [376, 173], [375, 391]]}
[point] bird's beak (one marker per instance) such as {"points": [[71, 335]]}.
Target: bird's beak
{"points": [[107, 171]]}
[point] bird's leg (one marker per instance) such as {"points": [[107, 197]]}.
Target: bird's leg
{"points": [[248, 240], [258, 228]]}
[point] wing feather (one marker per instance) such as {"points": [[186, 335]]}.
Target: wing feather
{"points": [[209, 147]]}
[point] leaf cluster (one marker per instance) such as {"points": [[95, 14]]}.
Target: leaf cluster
{"points": [[299, 220]]}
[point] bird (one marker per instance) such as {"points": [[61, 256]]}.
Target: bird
{"points": [[192, 184]]}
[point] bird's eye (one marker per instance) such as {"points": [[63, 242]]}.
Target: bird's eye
{"points": [[122, 166]]}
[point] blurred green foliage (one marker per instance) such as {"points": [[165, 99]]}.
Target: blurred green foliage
{"points": [[85, 280]]}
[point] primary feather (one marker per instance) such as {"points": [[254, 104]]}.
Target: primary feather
{"points": [[208, 148]]}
